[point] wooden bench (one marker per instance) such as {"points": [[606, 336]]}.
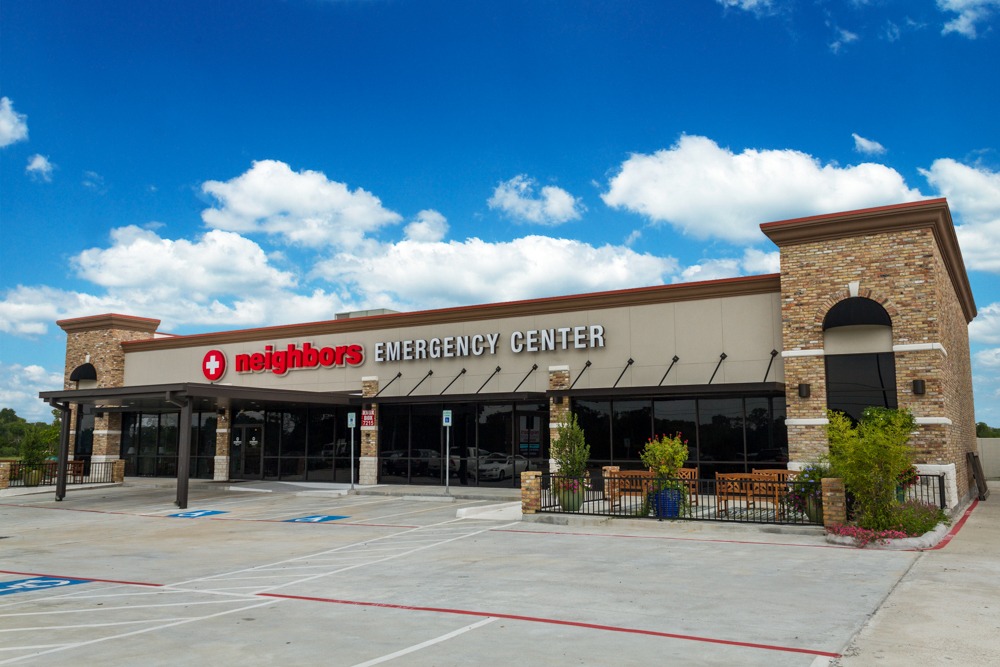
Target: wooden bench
{"points": [[618, 483], [752, 490]]}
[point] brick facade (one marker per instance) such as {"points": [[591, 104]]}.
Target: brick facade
{"points": [[904, 258], [98, 341]]}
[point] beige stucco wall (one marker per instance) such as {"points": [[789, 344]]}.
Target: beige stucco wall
{"points": [[746, 328]]}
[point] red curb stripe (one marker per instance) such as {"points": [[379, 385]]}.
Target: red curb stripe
{"points": [[954, 529], [100, 581], [555, 621]]}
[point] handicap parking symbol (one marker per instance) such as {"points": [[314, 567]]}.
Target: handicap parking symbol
{"points": [[36, 584], [318, 518], [196, 514]]}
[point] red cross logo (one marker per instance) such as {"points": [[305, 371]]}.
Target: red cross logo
{"points": [[214, 365]]}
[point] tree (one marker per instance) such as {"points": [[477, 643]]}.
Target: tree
{"points": [[984, 431]]}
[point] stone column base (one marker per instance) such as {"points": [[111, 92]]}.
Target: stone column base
{"points": [[368, 470], [104, 458], [221, 473]]}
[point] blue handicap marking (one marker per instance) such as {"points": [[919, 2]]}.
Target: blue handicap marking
{"points": [[196, 514], [318, 518], [36, 584]]}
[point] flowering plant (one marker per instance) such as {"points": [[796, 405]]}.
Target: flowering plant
{"points": [[908, 478], [665, 455], [864, 536], [571, 484], [806, 492]]}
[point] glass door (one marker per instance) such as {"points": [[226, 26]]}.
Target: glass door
{"points": [[245, 452]]}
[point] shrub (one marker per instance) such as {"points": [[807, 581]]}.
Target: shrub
{"points": [[570, 450], [871, 457], [916, 518]]}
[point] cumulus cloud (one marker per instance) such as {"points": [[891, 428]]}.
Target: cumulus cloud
{"points": [[552, 206], [988, 358], [410, 274], [217, 263], [971, 13], [13, 125], [429, 227], [867, 146], [753, 262], [974, 196], [39, 168], [707, 191], [19, 387], [986, 327], [303, 208]]}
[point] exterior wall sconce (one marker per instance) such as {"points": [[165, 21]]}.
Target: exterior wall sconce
{"points": [[804, 390], [557, 400], [919, 387]]}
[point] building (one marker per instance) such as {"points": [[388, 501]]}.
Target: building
{"points": [[871, 308]]}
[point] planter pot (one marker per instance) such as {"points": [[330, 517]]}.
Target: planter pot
{"points": [[900, 494], [666, 504], [570, 500], [33, 477]]}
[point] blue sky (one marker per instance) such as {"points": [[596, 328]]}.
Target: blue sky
{"points": [[229, 164]]}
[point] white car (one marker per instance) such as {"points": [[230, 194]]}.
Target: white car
{"points": [[502, 466]]}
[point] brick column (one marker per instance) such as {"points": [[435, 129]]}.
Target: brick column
{"points": [[4, 474], [559, 406], [834, 502], [220, 470], [107, 437], [118, 471], [531, 491], [368, 461]]}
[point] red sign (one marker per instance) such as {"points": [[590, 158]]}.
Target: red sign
{"points": [[214, 365], [367, 418], [280, 361]]}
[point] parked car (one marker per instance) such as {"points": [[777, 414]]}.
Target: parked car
{"points": [[501, 466]]}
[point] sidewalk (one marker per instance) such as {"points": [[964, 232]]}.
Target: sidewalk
{"points": [[946, 608]]}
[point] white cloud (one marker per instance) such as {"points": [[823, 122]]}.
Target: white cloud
{"points": [[19, 387], [304, 208], [410, 274], [970, 14], [40, 168], [516, 198], [753, 262], [986, 327], [974, 196], [217, 263], [13, 125], [759, 7], [429, 227], [93, 181], [707, 191], [988, 358], [867, 146], [843, 38]]}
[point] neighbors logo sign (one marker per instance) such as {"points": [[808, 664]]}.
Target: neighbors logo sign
{"points": [[279, 362]]}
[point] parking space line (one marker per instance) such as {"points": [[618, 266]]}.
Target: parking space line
{"points": [[557, 621], [423, 645]]}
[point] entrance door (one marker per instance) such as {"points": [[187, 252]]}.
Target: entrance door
{"points": [[245, 452]]}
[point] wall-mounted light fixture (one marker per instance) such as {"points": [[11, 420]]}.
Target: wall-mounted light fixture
{"points": [[557, 400], [919, 387], [804, 390]]}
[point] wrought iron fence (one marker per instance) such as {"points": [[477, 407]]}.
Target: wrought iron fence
{"points": [[47, 473], [740, 498]]}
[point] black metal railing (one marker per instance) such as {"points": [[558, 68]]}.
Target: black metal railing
{"points": [[47, 473], [929, 490], [741, 499]]}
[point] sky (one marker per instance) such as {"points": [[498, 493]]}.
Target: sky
{"points": [[223, 164]]}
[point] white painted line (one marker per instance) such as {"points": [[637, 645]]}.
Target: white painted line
{"points": [[47, 628], [423, 645], [135, 632]]}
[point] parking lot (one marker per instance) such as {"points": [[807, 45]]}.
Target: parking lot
{"points": [[121, 576]]}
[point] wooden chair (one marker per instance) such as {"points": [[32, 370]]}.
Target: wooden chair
{"points": [[733, 490], [690, 478]]}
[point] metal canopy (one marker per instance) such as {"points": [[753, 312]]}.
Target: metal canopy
{"points": [[187, 398]]}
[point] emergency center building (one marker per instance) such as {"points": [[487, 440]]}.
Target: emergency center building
{"points": [[871, 307]]}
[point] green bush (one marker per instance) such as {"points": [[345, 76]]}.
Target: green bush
{"points": [[916, 518], [871, 457], [570, 450]]}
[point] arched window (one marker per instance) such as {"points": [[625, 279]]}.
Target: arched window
{"points": [[85, 376], [860, 363]]}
